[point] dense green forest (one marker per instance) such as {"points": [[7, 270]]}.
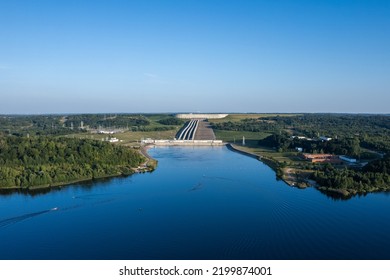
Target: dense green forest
{"points": [[375, 176], [47, 161], [23, 125], [172, 121], [107, 120], [284, 142], [33, 125], [123, 121], [372, 131]]}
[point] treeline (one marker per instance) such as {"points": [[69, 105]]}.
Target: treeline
{"points": [[47, 161], [43, 125], [254, 125], [22, 125], [171, 121], [284, 142], [107, 120], [374, 176], [344, 125], [350, 135], [372, 131]]}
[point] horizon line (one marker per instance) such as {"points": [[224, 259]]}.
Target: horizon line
{"points": [[170, 113]]}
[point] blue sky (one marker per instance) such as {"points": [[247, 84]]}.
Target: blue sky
{"points": [[190, 56]]}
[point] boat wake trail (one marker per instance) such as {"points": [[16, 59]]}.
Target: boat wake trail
{"points": [[96, 199], [18, 219]]}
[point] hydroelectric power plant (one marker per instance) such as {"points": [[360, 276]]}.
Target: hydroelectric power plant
{"points": [[196, 132], [188, 133]]}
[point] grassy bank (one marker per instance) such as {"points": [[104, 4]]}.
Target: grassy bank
{"points": [[288, 166], [235, 137], [285, 164]]}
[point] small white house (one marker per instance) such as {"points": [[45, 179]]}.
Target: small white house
{"points": [[324, 138], [106, 132], [348, 159], [299, 149], [113, 140]]}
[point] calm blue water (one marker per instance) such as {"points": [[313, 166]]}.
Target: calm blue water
{"points": [[200, 203]]}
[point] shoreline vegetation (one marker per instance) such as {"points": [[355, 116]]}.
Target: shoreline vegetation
{"points": [[281, 142], [285, 176], [46, 162], [143, 168], [52, 151], [295, 177]]}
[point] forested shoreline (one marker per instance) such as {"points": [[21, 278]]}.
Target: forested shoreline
{"points": [[49, 161], [51, 150], [365, 138], [46, 150]]}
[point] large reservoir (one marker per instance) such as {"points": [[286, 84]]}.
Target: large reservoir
{"points": [[200, 203]]}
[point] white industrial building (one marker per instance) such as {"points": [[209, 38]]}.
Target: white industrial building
{"points": [[348, 159], [324, 138], [113, 140]]}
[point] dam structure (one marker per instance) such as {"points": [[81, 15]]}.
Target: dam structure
{"points": [[196, 132], [188, 132], [201, 116]]}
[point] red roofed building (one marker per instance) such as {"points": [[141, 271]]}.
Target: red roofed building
{"points": [[321, 158]]}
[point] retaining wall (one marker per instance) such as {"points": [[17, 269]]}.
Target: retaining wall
{"points": [[201, 116], [185, 142]]}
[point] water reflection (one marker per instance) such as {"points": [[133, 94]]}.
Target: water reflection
{"points": [[207, 203], [87, 185]]}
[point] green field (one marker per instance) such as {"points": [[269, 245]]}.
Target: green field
{"points": [[239, 117], [130, 137], [236, 136], [288, 157], [252, 139], [155, 118], [135, 136], [252, 146]]}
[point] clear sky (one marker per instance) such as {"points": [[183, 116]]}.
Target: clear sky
{"points": [[189, 56]]}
